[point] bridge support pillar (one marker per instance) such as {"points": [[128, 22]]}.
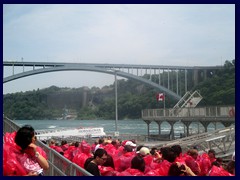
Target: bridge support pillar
{"points": [[195, 77], [204, 74]]}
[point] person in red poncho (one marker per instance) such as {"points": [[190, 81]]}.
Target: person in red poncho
{"points": [[191, 161], [144, 152], [21, 156], [211, 154], [108, 168], [83, 154], [124, 161], [137, 167]]}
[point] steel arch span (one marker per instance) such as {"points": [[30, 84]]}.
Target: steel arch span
{"points": [[94, 69]]}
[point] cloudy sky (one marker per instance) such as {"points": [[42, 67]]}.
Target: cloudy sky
{"points": [[162, 34]]}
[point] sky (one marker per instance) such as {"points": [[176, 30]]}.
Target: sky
{"points": [[146, 34]]}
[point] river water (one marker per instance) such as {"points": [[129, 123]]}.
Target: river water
{"points": [[135, 127]]}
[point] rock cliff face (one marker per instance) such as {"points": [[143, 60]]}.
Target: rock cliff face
{"points": [[73, 100], [77, 99]]}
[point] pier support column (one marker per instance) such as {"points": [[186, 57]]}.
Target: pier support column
{"points": [[171, 134], [148, 127], [187, 124], [159, 127], [227, 124], [205, 125]]}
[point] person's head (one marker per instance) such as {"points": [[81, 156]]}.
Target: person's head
{"points": [[51, 142], [115, 143], [153, 151], [130, 143], [76, 144], [211, 153], [109, 162], [138, 163], [216, 163], [176, 170], [231, 167], [101, 141], [168, 154], [219, 160], [177, 149], [100, 156], [25, 136], [63, 142], [128, 148], [144, 151], [193, 153]]}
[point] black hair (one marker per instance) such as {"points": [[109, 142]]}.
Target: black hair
{"points": [[230, 167], [212, 151], [128, 148], [177, 149], [174, 170], [216, 163], [63, 142], [24, 136], [99, 153], [109, 162], [114, 142], [168, 154], [138, 163], [76, 144], [139, 147], [100, 141], [153, 150]]}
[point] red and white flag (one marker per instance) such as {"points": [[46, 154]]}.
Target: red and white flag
{"points": [[160, 97]]}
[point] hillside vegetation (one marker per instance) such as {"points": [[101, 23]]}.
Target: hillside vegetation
{"points": [[96, 103]]}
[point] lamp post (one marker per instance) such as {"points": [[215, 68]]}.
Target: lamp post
{"points": [[116, 105]]}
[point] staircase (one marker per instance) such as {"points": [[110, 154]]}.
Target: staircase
{"points": [[187, 101]]}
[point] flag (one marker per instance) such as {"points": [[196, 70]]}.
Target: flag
{"points": [[160, 97]]}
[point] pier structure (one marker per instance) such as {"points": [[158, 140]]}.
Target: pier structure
{"points": [[188, 115]]}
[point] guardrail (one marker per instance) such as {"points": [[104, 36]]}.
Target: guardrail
{"points": [[58, 164], [211, 111]]}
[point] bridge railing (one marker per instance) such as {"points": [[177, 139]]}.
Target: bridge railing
{"points": [[211, 111], [58, 164]]}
